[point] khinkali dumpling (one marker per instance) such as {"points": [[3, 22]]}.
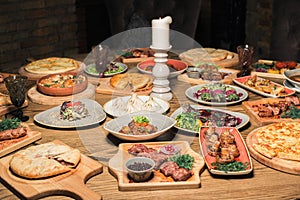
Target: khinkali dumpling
{"points": [[151, 105], [135, 101]]}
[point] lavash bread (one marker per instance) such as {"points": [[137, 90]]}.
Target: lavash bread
{"points": [[136, 81]]}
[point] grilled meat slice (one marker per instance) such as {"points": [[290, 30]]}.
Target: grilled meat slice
{"points": [[140, 148], [182, 174], [168, 168]]}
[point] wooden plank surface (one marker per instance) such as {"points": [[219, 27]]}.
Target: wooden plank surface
{"points": [[71, 182], [35, 96], [264, 183]]}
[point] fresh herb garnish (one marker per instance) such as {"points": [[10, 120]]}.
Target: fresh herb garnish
{"points": [[185, 161], [293, 112], [140, 119], [230, 167], [7, 124]]}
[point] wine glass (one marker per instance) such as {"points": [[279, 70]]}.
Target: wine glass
{"points": [[16, 86]]}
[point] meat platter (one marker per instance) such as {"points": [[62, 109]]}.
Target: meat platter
{"points": [[10, 145], [224, 151], [158, 180], [270, 110]]}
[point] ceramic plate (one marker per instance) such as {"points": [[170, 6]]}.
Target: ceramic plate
{"points": [[243, 117], [178, 67], [240, 81], [162, 122], [289, 73], [51, 117], [291, 86], [244, 156], [110, 108], [190, 94], [91, 69]]}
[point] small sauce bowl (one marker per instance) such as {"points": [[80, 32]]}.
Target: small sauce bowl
{"points": [[193, 72], [140, 168]]}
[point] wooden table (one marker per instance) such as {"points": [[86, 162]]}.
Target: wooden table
{"points": [[263, 183]]}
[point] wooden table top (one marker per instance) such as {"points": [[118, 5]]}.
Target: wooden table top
{"points": [[95, 142]]}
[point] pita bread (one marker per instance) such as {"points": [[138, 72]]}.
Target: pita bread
{"points": [[199, 55], [136, 81]]}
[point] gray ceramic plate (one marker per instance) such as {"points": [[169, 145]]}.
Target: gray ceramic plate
{"points": [[51, 117]]}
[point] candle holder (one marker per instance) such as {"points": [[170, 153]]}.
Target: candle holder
{"points": [[161, 72]]}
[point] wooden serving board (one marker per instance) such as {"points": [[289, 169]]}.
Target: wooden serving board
{"points": [[35, 76], [248, 107], [104, 87], [117, 169], [71, 183], [35, 96], [234, 61], [227, 80], [288, 166], [8, 146]]}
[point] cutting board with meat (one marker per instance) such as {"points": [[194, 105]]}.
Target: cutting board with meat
{"points": [[11, 140], [271, 110], [71, 183], [178, 178], [224, 75]]}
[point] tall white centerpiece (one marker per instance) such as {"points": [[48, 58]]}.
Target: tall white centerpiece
{"points": [[161, 46]]}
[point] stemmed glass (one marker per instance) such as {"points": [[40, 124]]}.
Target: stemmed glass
{"points": [[16, 86]]}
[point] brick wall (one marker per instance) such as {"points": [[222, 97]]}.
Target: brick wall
{"points": [[36, 28]]}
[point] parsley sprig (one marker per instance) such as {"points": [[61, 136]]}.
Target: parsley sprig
{"points": [[7, 124], [185, 161], [230, 167]]}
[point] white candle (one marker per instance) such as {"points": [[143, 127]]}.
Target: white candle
{"points": [[160, 32]]}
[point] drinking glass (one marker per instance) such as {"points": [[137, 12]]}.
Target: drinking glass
{"points": [[245, 54], [16, 86], [100, 54]]}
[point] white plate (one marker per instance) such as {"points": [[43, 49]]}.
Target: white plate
{"points": [[162, 122], [294, 72], [111, 110], [51, 117], [290, 85], [190, 94], [92, 67], [240, 81], [245, 118]]}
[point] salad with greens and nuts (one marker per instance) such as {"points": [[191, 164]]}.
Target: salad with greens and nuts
{"points": [[217, 92]]}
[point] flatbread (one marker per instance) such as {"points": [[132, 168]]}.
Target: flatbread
{"points": [[281, 140], [197, 56], [52, 65], [44, 160], [136, 81]]}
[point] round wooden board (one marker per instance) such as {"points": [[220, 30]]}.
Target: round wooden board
{"points": [[33, 76], [288, 166], [223, 63], [37, 97]]}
